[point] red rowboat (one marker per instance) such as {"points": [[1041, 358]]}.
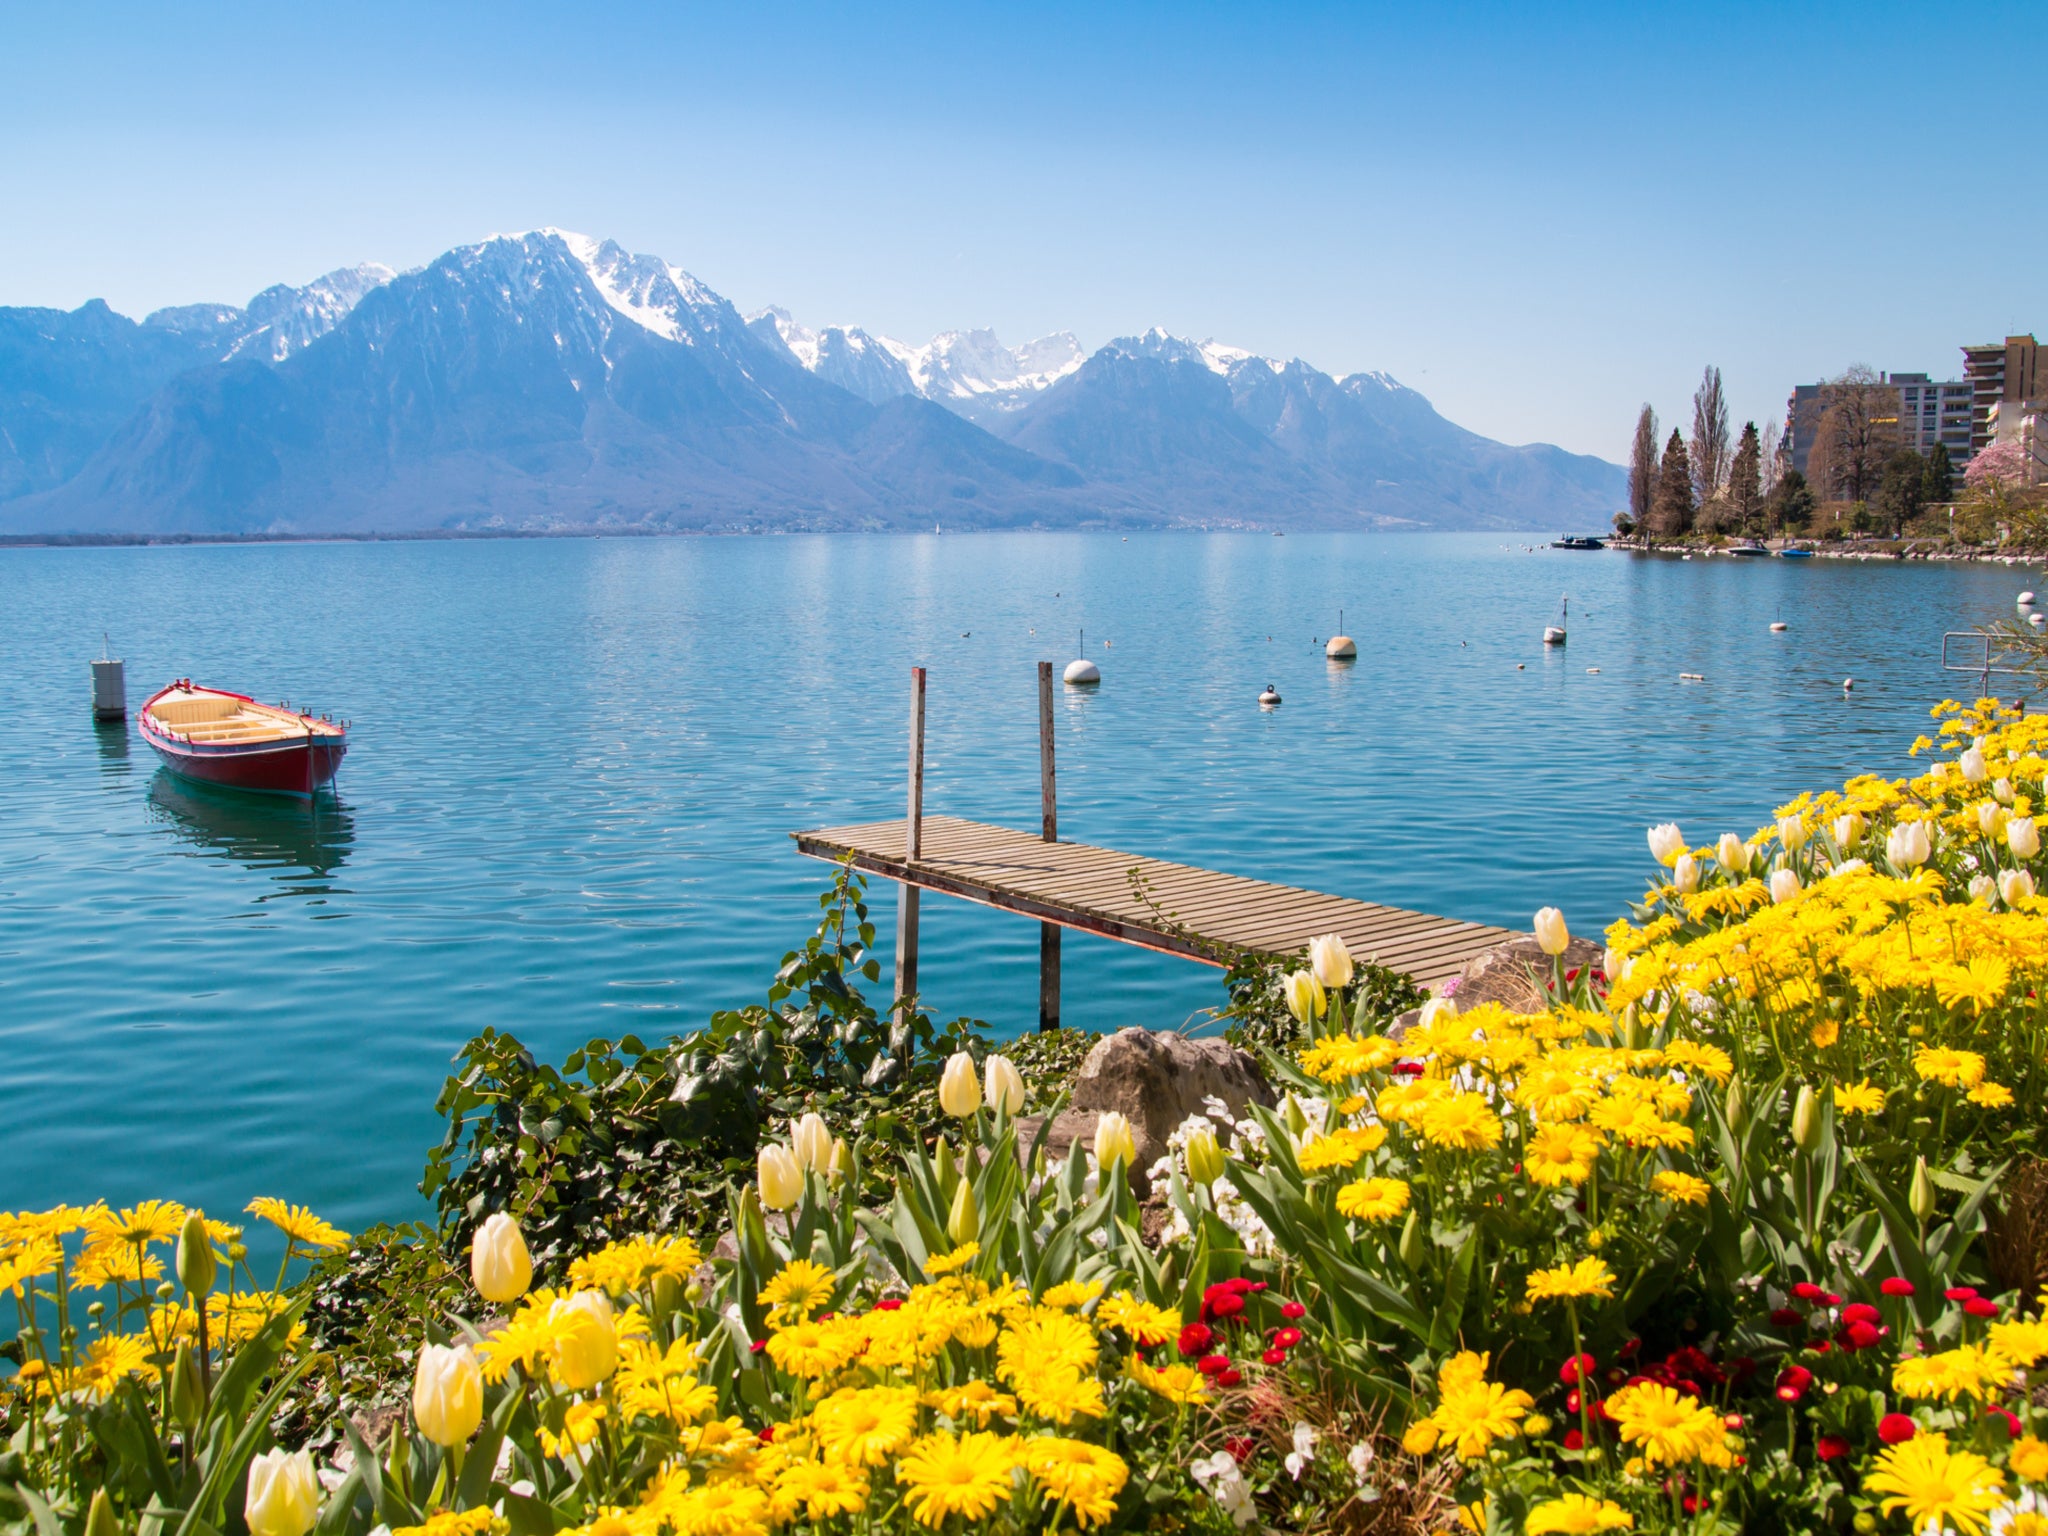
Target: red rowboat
{"points": [[229, 739]]}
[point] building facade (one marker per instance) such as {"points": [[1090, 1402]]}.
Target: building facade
{"points": [[2000, 371]]}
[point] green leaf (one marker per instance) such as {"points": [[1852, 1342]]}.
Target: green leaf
{"points": [[1443, 1328]]}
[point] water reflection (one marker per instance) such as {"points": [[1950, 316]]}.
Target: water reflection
{"points": [[112, 736], [297, 843]]}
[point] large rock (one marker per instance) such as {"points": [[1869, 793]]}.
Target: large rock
{"points": [[1156, 1081], [1515, 974]]}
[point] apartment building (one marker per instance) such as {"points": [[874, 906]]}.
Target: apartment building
{"points": [[2001, 371]]}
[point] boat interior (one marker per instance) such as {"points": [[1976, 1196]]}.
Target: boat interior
{"points": [[198, 715]]}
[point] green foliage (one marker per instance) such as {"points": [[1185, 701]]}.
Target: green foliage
{"points": [[1939, 483], [1902, 490], [1257, 1018], [1791, 505]]}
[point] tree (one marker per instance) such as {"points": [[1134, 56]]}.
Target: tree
{"points": [[1858, 432], [1792, 505], [1940, 484], [1709, 437], [1642, 469], [1900, 493], [1671, 513], [1773, 458], [1996, 464], [1745, 478]]}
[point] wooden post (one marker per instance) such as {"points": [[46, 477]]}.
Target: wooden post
{"points": [[1048, 933], [913, 840]]}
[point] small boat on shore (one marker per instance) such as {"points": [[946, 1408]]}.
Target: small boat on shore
{"points": [[216, 737], [1577, 541], [1795, 554], [1753, 550]]}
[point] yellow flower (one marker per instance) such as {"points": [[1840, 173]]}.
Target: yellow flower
{"points": [[1696, 1056], [1935, 1487], [447, 1522], [1372, 1199], [801, 1288], [1472, 1412], [1668, 1426], [1681, 1187], [1045, 1338], [1825, 1033], [1570, 1282], [973, 1399], [153, 1221], [2028, 1458], [1177, 1383], [1144, 1322], [968, 1475], [113, 1262], [1952, 1068], [580, 1425], [1560, 1154], [1859, 1098], [663, 1384], [865, 1426], [110, 1357], [1577, 1515], [632, 1264], [1463, 1123], [298, 1224], [825, 1489], [726, 1508], [2021, 1340], [1992, 1095], [1341, 1149], [812, 1350], [1058, 1395], [947, 1263], [1086, 1478], [1071, 1293]]}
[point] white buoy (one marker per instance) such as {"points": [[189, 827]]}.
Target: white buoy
{"points": [[1779, 627], [1592, 671], [1082, 672], [2026, 597], [2036, 620], [1848, 683], [1270, 697], [1340, 647], [1553, 634], [109, 690], [1692, 677]]}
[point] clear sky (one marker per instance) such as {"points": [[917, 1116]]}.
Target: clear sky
{"points": [[1540, 216]]}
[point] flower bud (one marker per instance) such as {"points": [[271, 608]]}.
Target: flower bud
{"points": [[959, 1092], [1806, 1119], [963, 1222], [1412, 1241], [284, 1494], [99, 1517], [811, 1142], [1113, 1141], [1666, 843], [2014, 886], [1685, 874], [842, 1160], [1990, 817], [780, 1177], [1982, 889], [1784, 885], [1972, 765], [1305, 997], [1614, 965], [1848, 829], [197, 1268], [2022, 837], [1735, 1107], [1330, 961], [1732, 853], [1435, 1008], [1921, 1197], [1551, 932], [1004, 1085], [586, 1343], [447, 1394], [2001, 791], [1292, 1115], [1908, 845], [188, 1391], [499, 1264], [1205, 1158], [1791, 833]]}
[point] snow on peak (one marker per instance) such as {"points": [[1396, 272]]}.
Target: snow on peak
{"points": [[282, 320]]}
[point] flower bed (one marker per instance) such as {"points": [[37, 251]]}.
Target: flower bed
{"points": [[1734, 1235]]}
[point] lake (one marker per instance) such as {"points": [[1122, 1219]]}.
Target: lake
{"points": [[574, 766]]}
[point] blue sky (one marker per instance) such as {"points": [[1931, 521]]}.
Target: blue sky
{"points": [[1539, 216]]}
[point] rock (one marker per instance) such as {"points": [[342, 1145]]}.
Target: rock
{"points": [[1156, 1080], [1515, 974]]}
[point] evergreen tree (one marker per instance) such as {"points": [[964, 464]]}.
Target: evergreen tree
{"points": [[1901, 491], [1642, 469], [1671, 515], [1939, 485], [1792, 505], [1745, 477]]}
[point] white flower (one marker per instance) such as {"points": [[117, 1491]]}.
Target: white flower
{"points": [[811, 1140], [1848, 829], [1666, 843], [1908, 846], [1304, 1452], [1360, 1461], [1685, 874], [1847, 867], [1220, 1475], [1551, 932], [1972, 764], [1989, 813], [2014, 885], [1982, 889], [2001, 791], [1784, 885], [1005, 1085], [1792, 832], [959, 1092], [2022, 837], [1330, 961], [1432, 1010], [1733, 853]]}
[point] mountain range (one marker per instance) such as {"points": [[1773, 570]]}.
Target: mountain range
{"points": [[547, 381]]}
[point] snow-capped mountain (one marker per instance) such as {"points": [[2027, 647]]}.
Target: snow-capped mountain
{"points": [[550, 380]]}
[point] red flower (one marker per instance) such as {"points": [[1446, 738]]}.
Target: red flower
{"points": [[1896, 1429], [757, 1346], [1961, 1293], [1731, 1421], [1831, 1447], [1896, 1285], [1229, 1379], [1979, 1306], [1861, 1312], [1571, 1401], [1213, 1365], [889, 1304], [1629, 1347], [1291, 1310], [1691, 1503], [767, 1435], [1576, 1369], [1240, 1448], [1793, 1382], [1860, 1335], [1822, 1348], [1574, 1441], [1784, 1317], [1275, 1357], [1286, 1338], [1830, 1299], [1195, 1338], [2012, 1420], [1229, 1304], [1806, 1290]]}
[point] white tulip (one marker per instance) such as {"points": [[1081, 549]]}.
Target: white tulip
{"points": [[447, 1394], [1330, 961], [1847, 867], [780, 1176], [1972, 765], [1113, 1140], [959, 1091], [1784, 885], [2013, 885], [1982, 889], [284, 1494], [498, 1260], [1848, 829], [1613, 966], [1433, 1009], [1936, 774], [2001, 791], [1551, 932], [1989, 813], [1666, 843], [1685, 874], [1305, 997], [2022, 837], [1908, 845], [1732, 852], [810, 1139], [1005, 1085], [1792, 833]]}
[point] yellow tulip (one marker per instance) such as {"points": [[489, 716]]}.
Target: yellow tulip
{"points": [[447, 1394], [586, 1350], [780, 1176], [959, 1093], [1005, 1085], [499, 1264], [284, 1494], [1113, 1141]]}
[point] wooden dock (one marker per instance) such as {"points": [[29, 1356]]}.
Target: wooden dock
{"points": [[1176, 909]]}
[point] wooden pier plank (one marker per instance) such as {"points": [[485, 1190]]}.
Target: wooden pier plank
{"points": [[1199, 913]]}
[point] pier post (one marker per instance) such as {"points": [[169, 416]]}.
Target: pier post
{"points": [[1048, 933], [913, 823]]}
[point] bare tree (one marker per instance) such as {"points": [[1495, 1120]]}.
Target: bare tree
{"points": [[1773, 467], [1642, 469], [1858, 432], [1709, 446]]}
